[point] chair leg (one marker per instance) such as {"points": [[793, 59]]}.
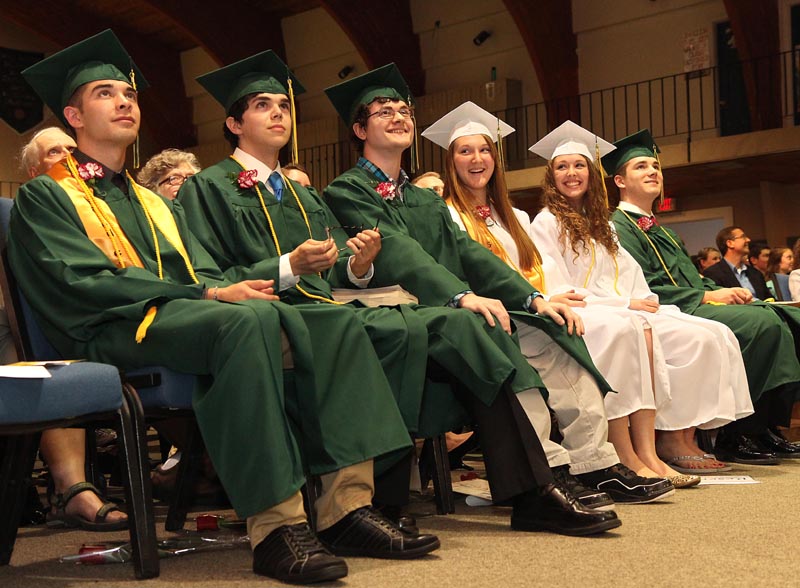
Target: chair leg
{"points": [[138, 492], [18, 453], [442, 484], [188, 470], [312, 490]]}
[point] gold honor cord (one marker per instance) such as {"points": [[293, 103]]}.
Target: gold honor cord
{"points": [[275, 235], [591, 267], [653, 245]]}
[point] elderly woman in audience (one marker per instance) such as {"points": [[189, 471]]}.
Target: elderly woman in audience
{"points": [[74, 502], [707, 257], [166, 172]]}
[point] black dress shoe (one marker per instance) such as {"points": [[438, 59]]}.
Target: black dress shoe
{"points": [[553, 508], [405, 522], [775, 443], [624, 485], [292, 553], [367, 533], [588, 497], [742, 449]]}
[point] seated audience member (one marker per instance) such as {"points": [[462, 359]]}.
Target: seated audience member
{"points": [[296, 172], [276, 221], [794, 276], [431, 180], [733, 271], [764, 331], [759, 256], [781, 261], [74, 502], [165, 172], [430, 256], [707, 257], [135, 288]]}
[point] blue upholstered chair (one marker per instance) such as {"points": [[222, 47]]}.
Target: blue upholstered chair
{"points": [[782, 281]]}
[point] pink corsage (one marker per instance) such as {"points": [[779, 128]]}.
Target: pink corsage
{"points": [[387, 190], [90, 171], [483, 212], [247, 178], [646, 223]]}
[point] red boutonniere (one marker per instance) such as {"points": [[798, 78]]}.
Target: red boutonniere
{"points": [[483, 212], [247, 178], [387, 190], [646, 223], [90, 171]]}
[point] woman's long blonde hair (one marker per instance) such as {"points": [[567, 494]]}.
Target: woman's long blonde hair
{"points": [[581, 228], [458, 196]]}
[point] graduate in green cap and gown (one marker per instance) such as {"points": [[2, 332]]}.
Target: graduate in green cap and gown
{"points": [[259, 229], [114, 275], [767, 333]]}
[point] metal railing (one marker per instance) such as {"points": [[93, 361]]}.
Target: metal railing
{"points": [[675, 108]]}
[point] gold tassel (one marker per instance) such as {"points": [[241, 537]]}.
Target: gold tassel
{"points": [[295, 157], [136, 142], [148, 319], [599, 163], [658, 159], [415, 145], [500, 155]]}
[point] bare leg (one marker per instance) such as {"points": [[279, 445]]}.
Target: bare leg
{"points": [[672, 444], [65, 453], [620, 437]]}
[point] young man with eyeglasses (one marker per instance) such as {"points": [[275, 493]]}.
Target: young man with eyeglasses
{"points": [[766, 333], [253, 232]]}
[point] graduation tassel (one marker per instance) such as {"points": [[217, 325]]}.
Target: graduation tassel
{"points": [[658, 159], [500, 155], [294, 122], [136, 142], [599, 162], [415, 145]]}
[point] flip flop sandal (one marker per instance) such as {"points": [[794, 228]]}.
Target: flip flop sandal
{"points": [[674, 461], [58, 517], [725, 468]]}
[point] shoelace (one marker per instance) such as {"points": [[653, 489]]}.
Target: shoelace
{"points": [[382, 521], [303, 540]]}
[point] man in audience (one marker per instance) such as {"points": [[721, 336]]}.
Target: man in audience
{"points": [[45, 148], [431, 180], [265, 229], [135, 288], [733, 271], [431, 257], [764, 331], [759, 256]]}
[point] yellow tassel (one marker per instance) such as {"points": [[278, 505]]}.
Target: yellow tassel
{"points": [[599, 162], [148, 319], [132, 75], [500, 155], [415, 145], [658, 159], [295, 157]]}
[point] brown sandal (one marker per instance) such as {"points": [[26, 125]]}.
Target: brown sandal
{"points": [[58, 517]]}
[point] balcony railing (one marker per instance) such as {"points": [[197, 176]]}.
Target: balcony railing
{"points": [[675, 108]]}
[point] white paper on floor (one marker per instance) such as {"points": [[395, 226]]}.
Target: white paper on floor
{"points": [[710, 480], [476, 488]]}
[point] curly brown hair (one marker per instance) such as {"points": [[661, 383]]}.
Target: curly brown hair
{"points": [[592, 224]]}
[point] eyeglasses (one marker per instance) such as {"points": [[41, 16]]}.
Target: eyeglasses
{"points": [[388, 113], [742, 236], [176, 180], [351, 230]]}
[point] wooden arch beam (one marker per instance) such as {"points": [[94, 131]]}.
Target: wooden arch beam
{"points": [[168, 112], [756, 29], [546, 29], [382, 32]]}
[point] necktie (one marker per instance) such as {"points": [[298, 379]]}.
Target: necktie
{"points": [[276, 183]]}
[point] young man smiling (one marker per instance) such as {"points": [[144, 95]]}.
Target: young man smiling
{"points": [[134, 288], [255, 230], [765, 332], [430, 256]]}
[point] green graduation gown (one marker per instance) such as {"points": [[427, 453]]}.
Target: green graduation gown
{"points": [[767, 334], [231, 224], [430, 256], [259, 436]]}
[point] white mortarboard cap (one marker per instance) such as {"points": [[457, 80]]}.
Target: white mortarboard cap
{"points": [[467, 119], [569, 139]]}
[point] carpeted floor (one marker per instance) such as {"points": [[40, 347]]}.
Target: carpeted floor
{"points": [[706, 536]]}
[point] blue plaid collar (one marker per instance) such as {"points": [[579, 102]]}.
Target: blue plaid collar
{"points": [[366, 164]]}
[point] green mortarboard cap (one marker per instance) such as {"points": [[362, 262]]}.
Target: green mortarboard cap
{"points": [[639, 144], [263, 72], [101, 57], [384, 82]]}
